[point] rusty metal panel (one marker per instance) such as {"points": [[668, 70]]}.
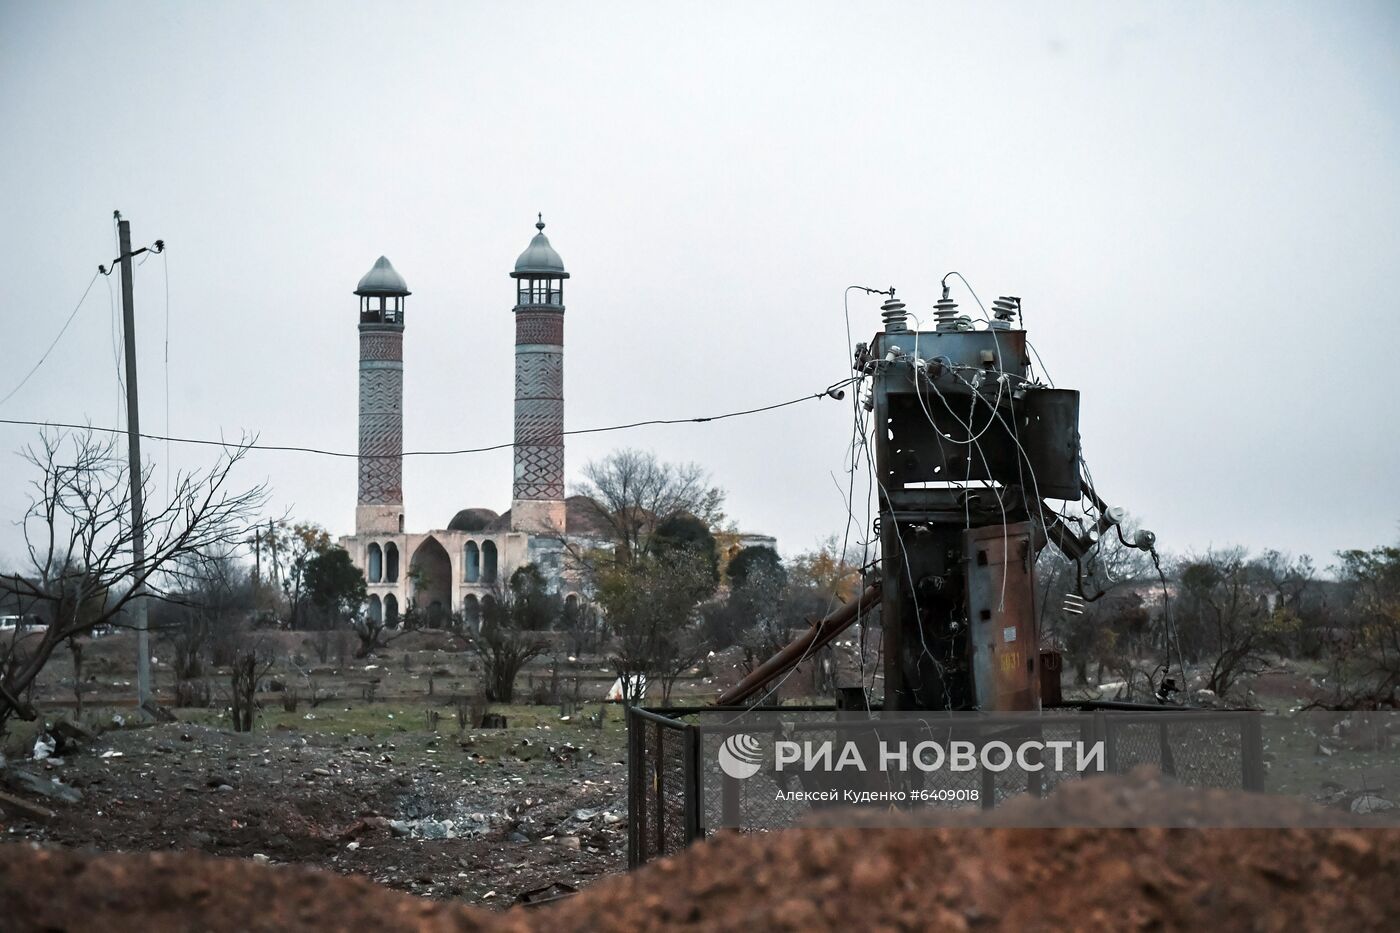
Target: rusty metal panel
{"points": [[1003, 641], [1050, 435]]}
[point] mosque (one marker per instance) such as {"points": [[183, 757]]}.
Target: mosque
{"points": [[457, 568]]}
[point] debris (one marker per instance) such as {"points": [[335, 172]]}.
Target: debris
{"points": [[546, 894], [34, 784], [158, 712], [44, 746], [18, 806], [71, 731], [1370, 803]]}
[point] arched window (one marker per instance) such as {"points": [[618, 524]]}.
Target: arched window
{"points": [[471, 611], [374, 610], [571, 604], [488, 562], [473, 562], [391, 610], [376, 563], [391, 563]]}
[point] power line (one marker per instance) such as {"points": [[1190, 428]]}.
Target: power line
{"points": [[62, 331], [829, 391]]}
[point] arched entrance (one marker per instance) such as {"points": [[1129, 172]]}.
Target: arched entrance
{"points": [[376, 564], [432, 581]]}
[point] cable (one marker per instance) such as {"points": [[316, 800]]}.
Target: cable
{"points": [[1171, 626], [944, 283], [118, 330], [165, 265], [72, 314], [1048, 378], [417, 453]]}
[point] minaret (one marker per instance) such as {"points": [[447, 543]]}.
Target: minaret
{"points": [[379, 506], [537, 498]]}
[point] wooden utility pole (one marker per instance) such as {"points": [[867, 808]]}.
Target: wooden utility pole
{"points": [[133, 445]]}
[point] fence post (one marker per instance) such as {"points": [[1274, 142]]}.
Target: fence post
{"points": [[1164, 746], [636, 802], [695, 785], [1105, 733], [660, 789]]}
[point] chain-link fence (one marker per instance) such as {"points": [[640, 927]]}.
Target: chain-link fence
{"points": [[677, 793]]}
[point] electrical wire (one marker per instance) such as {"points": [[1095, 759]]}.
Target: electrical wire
{"points": [[944, 283], [118, 329], [63, 330], [419, 453], [165, 266], [1167, 612]]}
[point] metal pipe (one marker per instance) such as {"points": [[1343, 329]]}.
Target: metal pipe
{"points": [[800, 647]]}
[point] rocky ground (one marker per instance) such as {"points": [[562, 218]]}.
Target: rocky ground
{"points": [[480, 816], [959, 877]]}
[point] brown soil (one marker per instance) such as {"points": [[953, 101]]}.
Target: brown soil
{"points": [[950, 877]]}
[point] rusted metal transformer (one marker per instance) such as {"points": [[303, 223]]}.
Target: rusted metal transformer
{"points": [[967, 446]]}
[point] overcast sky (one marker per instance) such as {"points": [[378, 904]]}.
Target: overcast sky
{"points": [[1196, 202]]}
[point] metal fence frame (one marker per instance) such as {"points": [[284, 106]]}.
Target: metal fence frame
{"points": [[665, 772]]}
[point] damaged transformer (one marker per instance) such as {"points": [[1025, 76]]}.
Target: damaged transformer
{"points": [[968, 446]]}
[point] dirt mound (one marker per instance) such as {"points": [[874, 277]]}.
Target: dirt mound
{"points": [[1011, 879], [955, 877], [58, 889]]}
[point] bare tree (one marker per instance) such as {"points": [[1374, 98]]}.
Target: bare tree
{"points": [[78, 536], [210, 597], [1224, 618], [251, 665], [1364, 654], [633, 493]]}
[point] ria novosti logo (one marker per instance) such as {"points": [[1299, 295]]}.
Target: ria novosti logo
{"points": [[740, 756]]}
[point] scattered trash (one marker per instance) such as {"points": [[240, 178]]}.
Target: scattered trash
{"points": [[44, 746], [34, 784], [1370, 803]]}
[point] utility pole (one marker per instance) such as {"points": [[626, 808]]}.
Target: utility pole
{"points": [[272, 543], [133, 445], [257, 562]]}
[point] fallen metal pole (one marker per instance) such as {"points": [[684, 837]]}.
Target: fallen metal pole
{"points": [[801, 647]]}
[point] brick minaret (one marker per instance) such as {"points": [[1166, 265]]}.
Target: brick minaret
{"points": [[537, 498], [379, 504]]}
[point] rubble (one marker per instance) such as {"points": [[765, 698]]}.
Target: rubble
{"points": [[425, 816], [27, 781]]}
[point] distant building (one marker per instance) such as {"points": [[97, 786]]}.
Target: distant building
{"points": [[458, 566]]}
